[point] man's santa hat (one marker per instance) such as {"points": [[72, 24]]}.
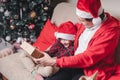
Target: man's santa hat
{"points": [[66, 31], [90, 9]]}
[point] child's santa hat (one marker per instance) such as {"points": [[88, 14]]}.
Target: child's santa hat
{"points": [[66, 31], [90, 9]]}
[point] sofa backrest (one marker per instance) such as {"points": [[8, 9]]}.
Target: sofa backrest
{"points": [[64, 12]]}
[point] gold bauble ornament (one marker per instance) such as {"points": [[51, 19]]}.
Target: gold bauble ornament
{"points": [[33, 14]]}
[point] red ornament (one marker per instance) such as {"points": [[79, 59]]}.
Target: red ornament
{"points": [[31, 26], [11, 20], [3, 1]]}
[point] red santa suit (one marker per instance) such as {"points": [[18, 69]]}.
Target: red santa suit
{"points": [[99, 54]]}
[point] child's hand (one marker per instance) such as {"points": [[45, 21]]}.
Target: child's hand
{"points": [[6, 52]]}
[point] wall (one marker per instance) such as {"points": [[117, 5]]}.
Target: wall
{"points": [[111, 6]]}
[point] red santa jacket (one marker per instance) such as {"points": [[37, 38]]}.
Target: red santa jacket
{"points": [[99, 55]]}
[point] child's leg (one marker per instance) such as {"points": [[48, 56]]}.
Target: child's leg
{"points": [[45, 71], [27, 61]]}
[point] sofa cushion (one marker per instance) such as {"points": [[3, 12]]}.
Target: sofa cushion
{"points": [[46, 37]]}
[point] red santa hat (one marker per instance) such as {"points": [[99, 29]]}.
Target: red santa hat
{"points": [[66, 31], [90, 9]]}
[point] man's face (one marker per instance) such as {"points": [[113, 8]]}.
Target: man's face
{"points": [[86, 23]]}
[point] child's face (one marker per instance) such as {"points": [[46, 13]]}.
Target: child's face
{"points": [[65, 42]]}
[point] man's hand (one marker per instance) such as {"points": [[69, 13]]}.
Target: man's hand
{"points": [[46, 60]]}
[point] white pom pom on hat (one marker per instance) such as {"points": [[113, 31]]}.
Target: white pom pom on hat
{"points": [[96, 21], [66, 31], [90, 9]]}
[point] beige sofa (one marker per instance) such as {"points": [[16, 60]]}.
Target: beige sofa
{"points": [[11, 66]]}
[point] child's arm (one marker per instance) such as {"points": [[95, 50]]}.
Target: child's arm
{"points": [[52, 50]]}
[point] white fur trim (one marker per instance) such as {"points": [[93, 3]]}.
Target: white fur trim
{"points": [[96, 21], [65, 36], [84, 14]]}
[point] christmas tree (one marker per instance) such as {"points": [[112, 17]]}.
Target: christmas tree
{"points": [[23, 19]]}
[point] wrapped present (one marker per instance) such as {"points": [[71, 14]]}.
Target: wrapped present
{"points": [[31, 50]]}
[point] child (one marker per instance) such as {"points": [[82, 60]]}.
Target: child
{"points": [[62, 47]]}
